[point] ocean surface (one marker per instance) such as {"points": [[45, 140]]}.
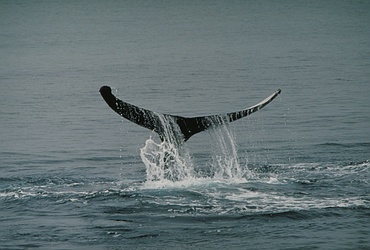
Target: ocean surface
{"points": [[294, 175]]}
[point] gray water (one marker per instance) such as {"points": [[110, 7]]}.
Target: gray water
{"points": [[72, 174]]}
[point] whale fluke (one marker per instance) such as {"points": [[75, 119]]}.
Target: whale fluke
{"points": [[181, 127]]}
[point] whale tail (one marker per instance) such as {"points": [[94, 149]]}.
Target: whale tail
{"points": [[181, 127]]}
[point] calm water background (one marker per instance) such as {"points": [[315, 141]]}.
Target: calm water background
{"points": [[71, 176]]}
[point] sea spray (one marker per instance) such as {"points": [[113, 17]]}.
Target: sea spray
{"points": [[171, 160]]}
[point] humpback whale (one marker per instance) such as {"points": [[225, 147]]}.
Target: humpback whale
{"points": [[181, 128]]}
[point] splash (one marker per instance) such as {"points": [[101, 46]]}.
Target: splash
{"points": [[168, 160], [164, 161], [171, 161]]}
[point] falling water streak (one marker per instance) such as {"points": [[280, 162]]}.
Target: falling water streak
{"points": [[225, 153]]}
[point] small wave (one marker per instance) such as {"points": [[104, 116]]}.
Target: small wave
{"points": [[354, 167], [190, 182], [345, 145], [53, 188], [277, 203]]}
